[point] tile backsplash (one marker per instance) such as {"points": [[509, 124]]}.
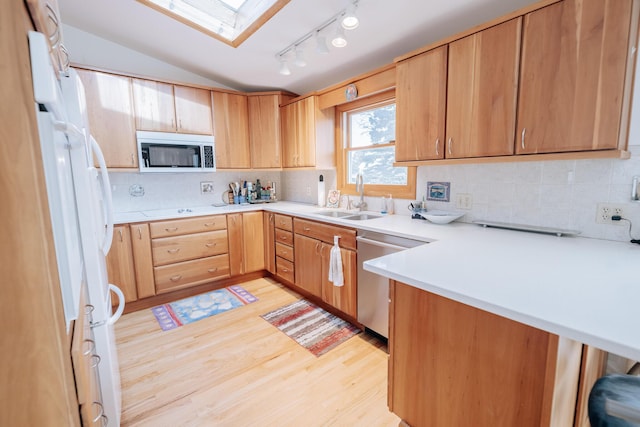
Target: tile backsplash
{"points": [[559, 193]]}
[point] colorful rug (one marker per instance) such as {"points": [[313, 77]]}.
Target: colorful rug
{"points": [[189, 310], [310, 326]]}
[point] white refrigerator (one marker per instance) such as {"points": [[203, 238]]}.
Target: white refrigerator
{"points": [[81, 212]]}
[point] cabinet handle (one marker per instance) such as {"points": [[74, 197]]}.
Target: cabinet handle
{"points": [[438, 147], [212, 270], [120, 233], [318, 247], [92, 347], [271, 218], [450, 143], [306, 228], [173, 251], [133, 162], [209, 224], [96, 360], [210, 245], [285, 270], [524, 131], [176, 278], [171, 230], [283, 237], [88, 309], [100, 415], [139, 234]]}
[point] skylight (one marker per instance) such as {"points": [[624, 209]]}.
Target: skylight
{"points": [[231, 21]]}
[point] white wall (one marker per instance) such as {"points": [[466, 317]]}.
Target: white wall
{"points": [[88, 49]]}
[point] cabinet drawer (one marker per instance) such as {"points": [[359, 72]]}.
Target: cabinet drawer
{"points": [[191, 273], [284, 251], [188, 226], [181, 248], [284, 222], [325, 232], [284, 237], [284, 269]]}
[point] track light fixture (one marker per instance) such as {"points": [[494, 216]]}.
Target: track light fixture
{"points": [[346, 19]]}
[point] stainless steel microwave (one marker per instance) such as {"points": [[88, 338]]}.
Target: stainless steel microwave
{"points": [[175, 152]]}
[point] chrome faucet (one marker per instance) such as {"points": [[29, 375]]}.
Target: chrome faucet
{"points": [[361, 205]]}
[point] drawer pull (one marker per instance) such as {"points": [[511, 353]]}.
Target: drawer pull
{"points": [[176, 278], [171, 230], [209, 224], [212, 270], [306, 228], [91, 348], [285, 270], [139, 234], [283, 237], [173, 251], [209, 245], [95, 360]]}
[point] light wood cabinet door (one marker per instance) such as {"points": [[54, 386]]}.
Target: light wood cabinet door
{"points": [[142, 259], [421, 96], [482, 92], [193, 110], [111, 117], [154, 106], [572, 76], [234, 229], [308, 272], [269, 242], [120, 266], [299, 133], [265, 131], [253, 241], [344, 298], [231, 130]]}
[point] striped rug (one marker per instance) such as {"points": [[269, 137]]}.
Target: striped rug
{"points": [[310, 326]]}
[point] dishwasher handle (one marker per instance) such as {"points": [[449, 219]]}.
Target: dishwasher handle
{"points": [[380, 244]]}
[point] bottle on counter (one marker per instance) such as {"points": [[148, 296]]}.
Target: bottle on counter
{"points": [[321, 192]]}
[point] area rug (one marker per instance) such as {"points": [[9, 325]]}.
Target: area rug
{"points": [[192, 309], [310, 326]]}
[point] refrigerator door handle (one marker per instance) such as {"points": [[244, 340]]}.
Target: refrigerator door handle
{"points": [[106, 190], [114, 318]]}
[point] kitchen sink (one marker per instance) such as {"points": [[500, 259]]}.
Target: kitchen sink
{"points": [[361, 217], [333, 214]]}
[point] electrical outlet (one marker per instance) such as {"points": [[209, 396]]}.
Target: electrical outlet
{"points": [[605, 211], [464, 201], [308, 190]]}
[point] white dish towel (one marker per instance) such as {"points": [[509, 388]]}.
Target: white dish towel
{"points": [[335, 264]]}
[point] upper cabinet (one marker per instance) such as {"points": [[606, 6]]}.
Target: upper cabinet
{"points": [[421, 96], [164, 107], [231, 125], [482, 92], [307, 134], [574, 59], [265, 133], [110, 110]]}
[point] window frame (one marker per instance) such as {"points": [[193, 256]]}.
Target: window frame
{"points": [[407, 191]]}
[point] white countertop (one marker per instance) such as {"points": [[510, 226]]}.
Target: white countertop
{"points": [[583, 289]]}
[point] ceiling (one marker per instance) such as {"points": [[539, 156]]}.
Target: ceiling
{"points": [[387, 29]]}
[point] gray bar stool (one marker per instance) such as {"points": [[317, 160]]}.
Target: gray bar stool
{"points": [[614, 401]]}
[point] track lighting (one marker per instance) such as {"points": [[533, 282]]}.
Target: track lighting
{"points": [[338, 39], [345, 19]]}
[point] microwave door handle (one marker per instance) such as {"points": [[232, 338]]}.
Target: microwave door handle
{"points": [[106, 193]]}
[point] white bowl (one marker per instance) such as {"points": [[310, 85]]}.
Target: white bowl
{"points": [[441, 217]]}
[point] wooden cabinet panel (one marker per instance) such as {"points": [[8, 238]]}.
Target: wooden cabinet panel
{"points": [[269, 242], [120, 268], [572, 76], [188, 225], [169, 250], [265, 131], [143, 261], [309, 271], [450, 363], [284, 251], [193, 110], [234, 228], [482, 92], [253, 241], [285, 269], [190, 273], [111, 117], [154, 106], [421, 93], [344, 298], [325, 232], [283, 222], [285, 237], [231, 130]]}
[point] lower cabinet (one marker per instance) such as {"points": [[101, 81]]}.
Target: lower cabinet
{"points": [[246, 242], [450, 363], [120, 264], [313, 242], [268, 222]]}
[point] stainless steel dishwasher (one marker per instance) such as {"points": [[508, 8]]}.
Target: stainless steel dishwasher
{"points": [[373, 290]]}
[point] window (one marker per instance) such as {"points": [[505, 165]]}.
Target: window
{"points": [[366, 144], [231, 21]]}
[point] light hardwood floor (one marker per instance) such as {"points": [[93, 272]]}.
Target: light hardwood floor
{"points": [[235, 369]]}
